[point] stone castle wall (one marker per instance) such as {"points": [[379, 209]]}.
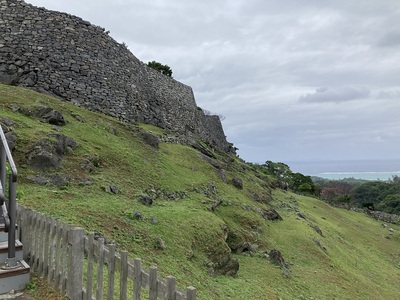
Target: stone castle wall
{"points": [[66, 56]]}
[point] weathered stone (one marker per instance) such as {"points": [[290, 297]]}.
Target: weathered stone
{"points": [[51, 179], [270, 214], [111, 189], [149, 139], [317, 229], [46, 154], [238, 183], [11, 138], [203, 150], [160, 244], [46, 114], [137, 215], [300, 214], [222, 174], [214, 162], [239, 245], [146, 200], [276, 258], [263, 198], [318, 243]]}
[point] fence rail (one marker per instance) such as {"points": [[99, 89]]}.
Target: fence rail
{"points": [[81, 267]]}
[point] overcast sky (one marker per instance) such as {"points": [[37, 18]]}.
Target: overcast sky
{"points": [[295, 80]]}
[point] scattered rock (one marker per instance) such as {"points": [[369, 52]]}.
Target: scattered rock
{"points": [[112, 189], [230, 268], [45, 114], [153, 220], [7, 123], [276, 258], [46, 154], [270, 214], [238, 183], [79, 118], [11, 138], [263, 198], [203, 150], [149, 139], [300, 214], [215, 204], [51, 179], [137, 215], [160, 244], [10, 135], [146, 200], [159, 193], [214, 162], [383, 216], [91, 163], [54, 117], [320, 245], [280, 184], [114, 131], [317, 229], [222, 174]]}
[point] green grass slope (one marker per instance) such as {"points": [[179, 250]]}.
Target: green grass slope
{"points": [[354, 258]]}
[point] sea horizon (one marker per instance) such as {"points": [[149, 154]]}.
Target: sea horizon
{"points": [[383, 169]]}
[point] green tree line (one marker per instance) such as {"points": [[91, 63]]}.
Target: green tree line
{"points": [[376, 195]]}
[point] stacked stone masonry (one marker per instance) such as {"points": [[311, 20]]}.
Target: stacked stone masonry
{"points": [[63, 55]]}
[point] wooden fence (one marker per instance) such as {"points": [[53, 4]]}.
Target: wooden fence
{"points": [[81, 267]]}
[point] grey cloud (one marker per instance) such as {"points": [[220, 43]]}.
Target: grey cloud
{"points": [[391, 94], [340, 94], [390, 39]]}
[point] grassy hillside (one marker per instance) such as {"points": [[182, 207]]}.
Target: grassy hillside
{"points": [[354, 258]]}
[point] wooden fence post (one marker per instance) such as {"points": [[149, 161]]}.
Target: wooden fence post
{"points": [[64, 250], [46, 256], [90, 259], [100, 265], [52, 246], [124, 276], [191, 293], [76, 241], [171, 288], [153, 283], [111, 271], [137, 288]]}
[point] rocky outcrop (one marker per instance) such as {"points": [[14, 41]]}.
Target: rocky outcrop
{"points": [[47, 153], [63, 55]]}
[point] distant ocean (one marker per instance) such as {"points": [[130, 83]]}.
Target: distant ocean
{"points": [[358, 169]]}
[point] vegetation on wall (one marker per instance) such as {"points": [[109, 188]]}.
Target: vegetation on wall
{"points": [[163, 69]]}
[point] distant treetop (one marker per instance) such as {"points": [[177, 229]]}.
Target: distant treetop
{"points": [[163, 69]]}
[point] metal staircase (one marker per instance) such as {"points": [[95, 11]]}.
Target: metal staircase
{"points": [[14, 271]]}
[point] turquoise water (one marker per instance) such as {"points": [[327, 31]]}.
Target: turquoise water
{"points": [[359, 169], [359, 175]]}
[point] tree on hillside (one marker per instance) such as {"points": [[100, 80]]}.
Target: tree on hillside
{"points": [[301, 183], [163, 69]]}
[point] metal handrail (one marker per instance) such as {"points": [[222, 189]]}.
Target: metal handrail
{"points": [[14, 173], [10, 216]]}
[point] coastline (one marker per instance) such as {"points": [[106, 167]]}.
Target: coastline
{"points": [[358, 169]]}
